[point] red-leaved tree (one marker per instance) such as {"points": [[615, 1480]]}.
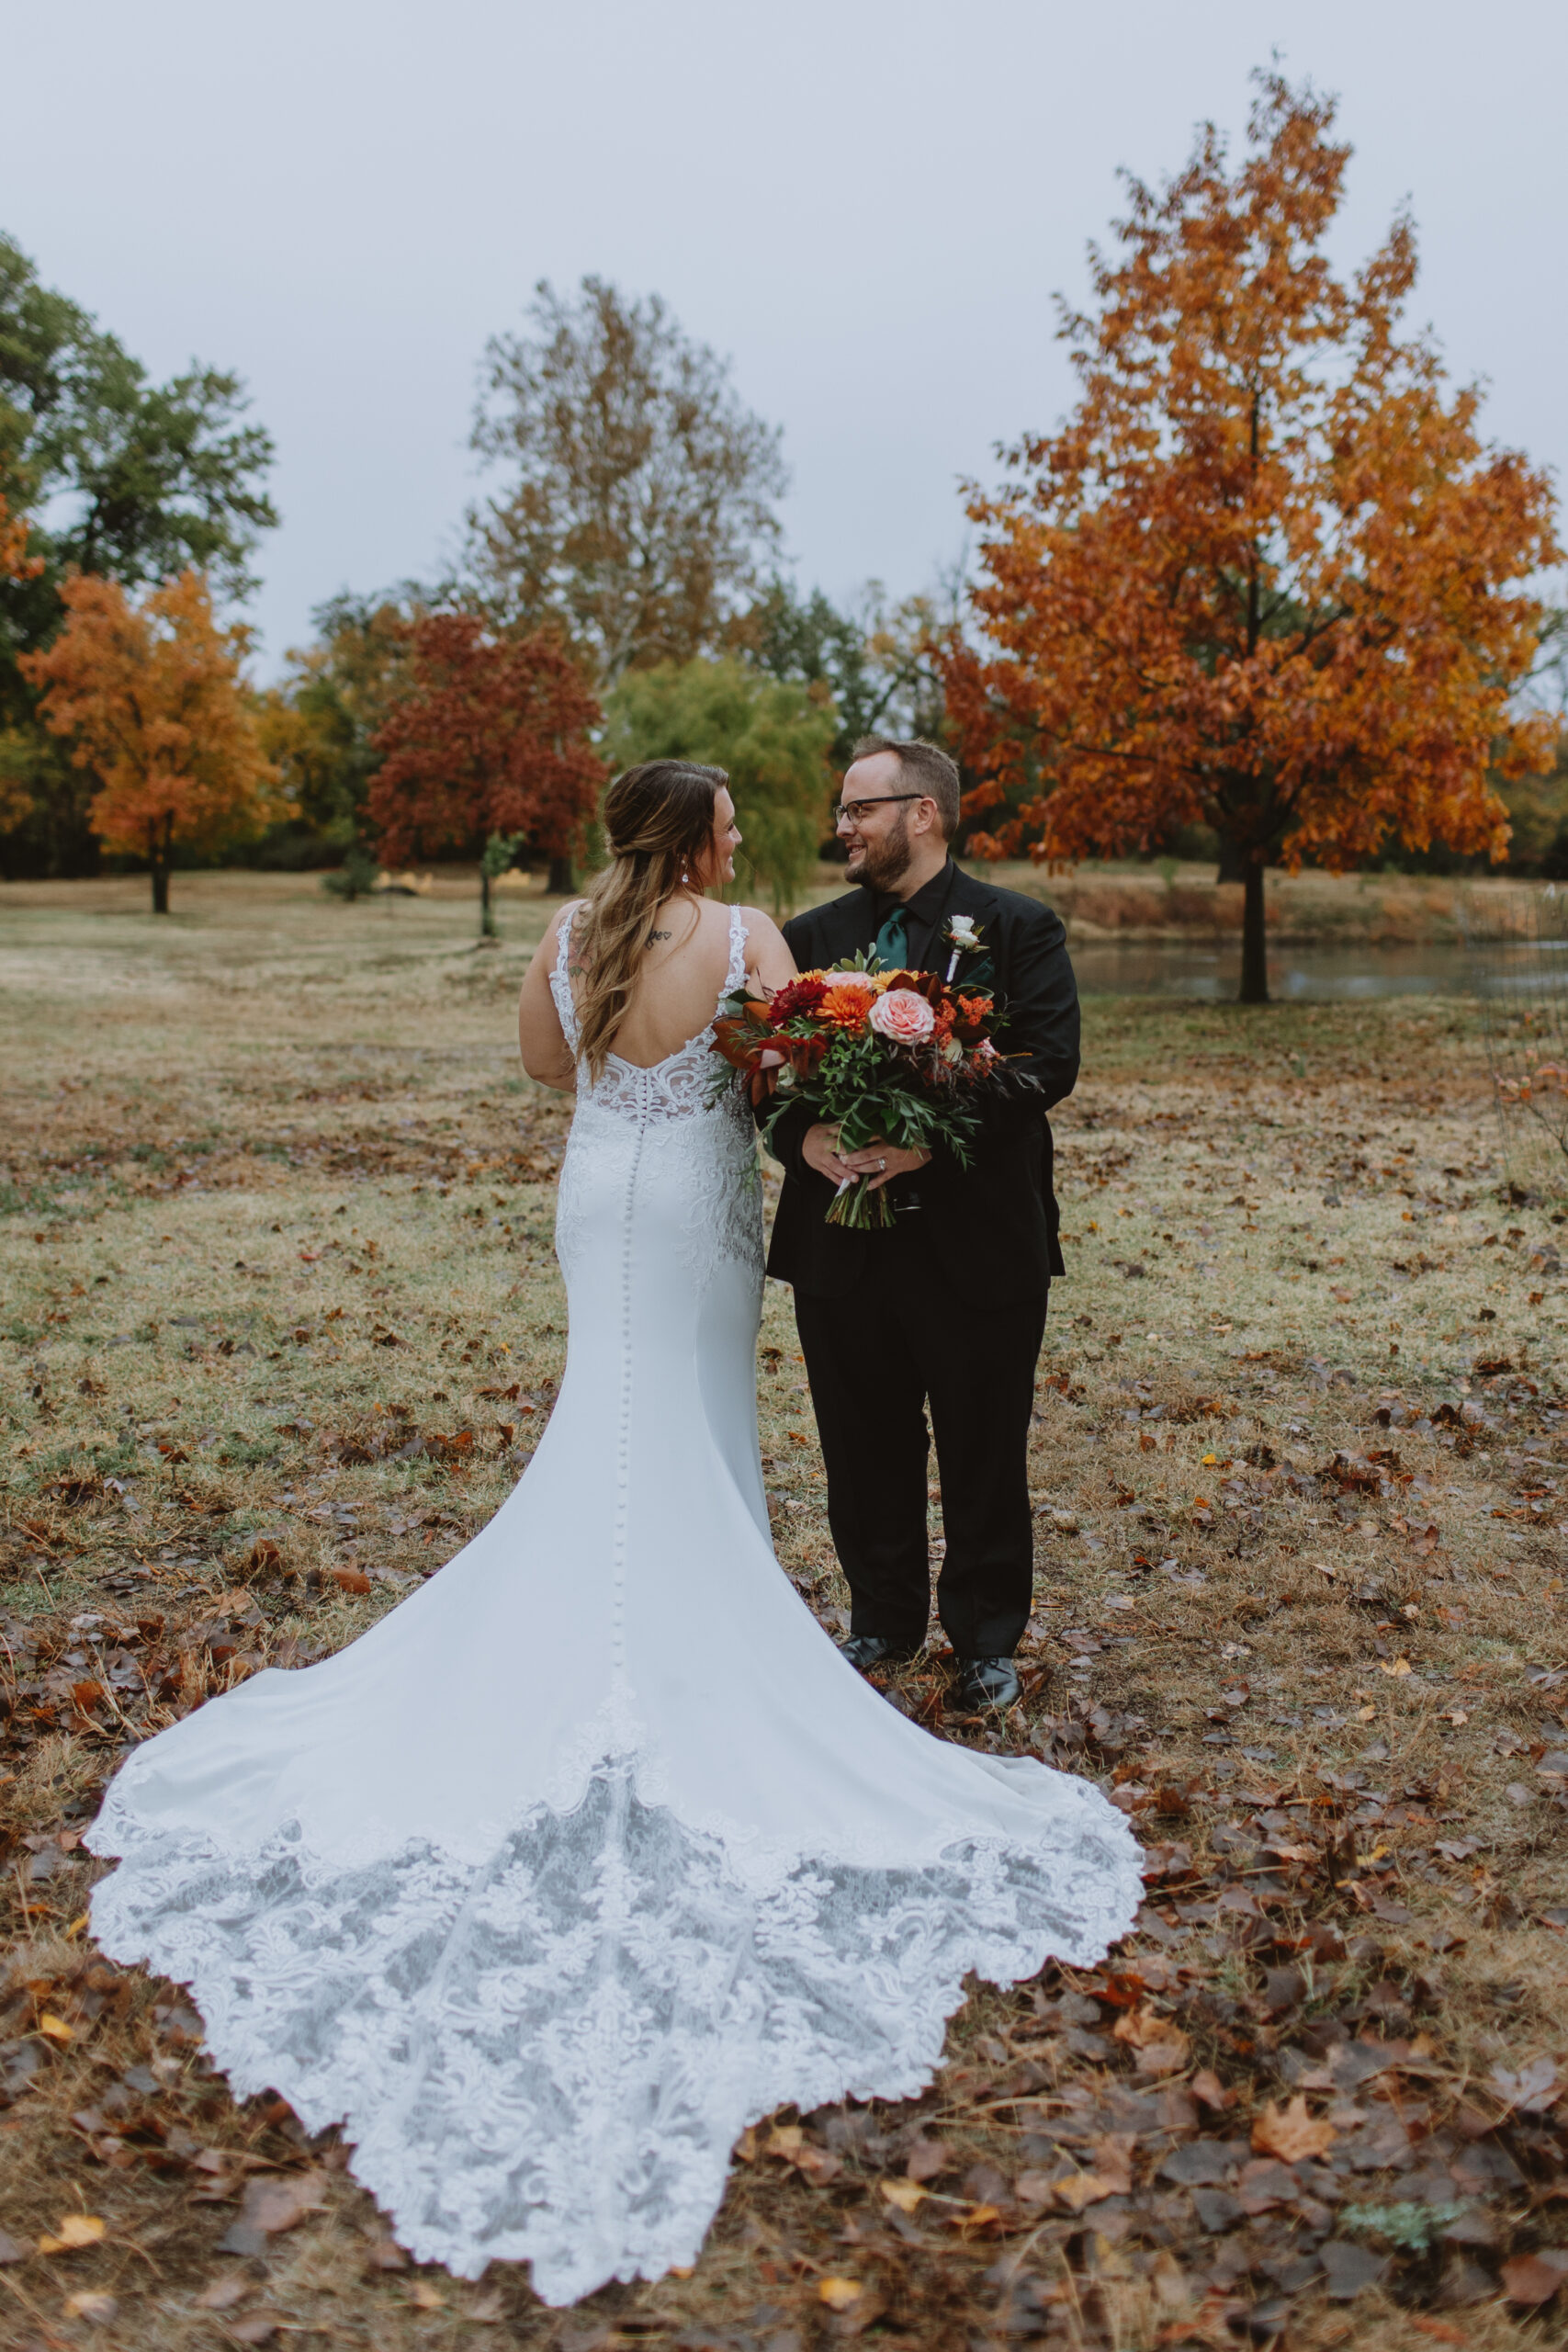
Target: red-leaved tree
{"points": [[490, 738]]}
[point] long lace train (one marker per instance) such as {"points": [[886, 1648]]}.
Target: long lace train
{"points": [[550, 2056]]}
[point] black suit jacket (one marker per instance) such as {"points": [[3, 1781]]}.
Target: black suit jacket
{"points": [[991, 1228]]}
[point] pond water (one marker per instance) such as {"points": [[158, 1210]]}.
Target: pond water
{"points": [[1157, 967]]}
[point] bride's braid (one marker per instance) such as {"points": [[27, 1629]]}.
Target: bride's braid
{"points": [[658, 823]]}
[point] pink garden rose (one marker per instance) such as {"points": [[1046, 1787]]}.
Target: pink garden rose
{"points": [[902, 1016]]}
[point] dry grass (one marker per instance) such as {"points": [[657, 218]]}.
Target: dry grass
{"points": [[248, 1151], [1133, 899]]}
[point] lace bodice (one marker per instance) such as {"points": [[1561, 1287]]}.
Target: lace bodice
{"points": [[663, 1125], [676, 1087]]}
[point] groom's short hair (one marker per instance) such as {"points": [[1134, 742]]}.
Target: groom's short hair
{"points": [[926, 768]]}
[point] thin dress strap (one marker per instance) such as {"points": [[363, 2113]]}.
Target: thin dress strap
{"points": [[737, 971], [560, 978]]}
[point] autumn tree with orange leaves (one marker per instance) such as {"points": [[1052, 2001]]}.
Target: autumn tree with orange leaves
{"points": [[14, 561], [150, 695], [1267, 576], [490, 738], [15, 564]]}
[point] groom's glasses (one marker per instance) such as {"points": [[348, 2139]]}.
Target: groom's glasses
{"points": [[854, 811]]}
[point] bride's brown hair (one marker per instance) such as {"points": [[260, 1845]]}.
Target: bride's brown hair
{"points": [[658, 822]]}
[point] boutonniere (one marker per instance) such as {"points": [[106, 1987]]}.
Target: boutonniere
{"points": [[963, 935]]}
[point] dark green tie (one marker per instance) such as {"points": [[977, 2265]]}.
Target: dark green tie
{"points": [[893, 941]]}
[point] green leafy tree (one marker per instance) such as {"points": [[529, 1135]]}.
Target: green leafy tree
{"points": [[636, 493], [120, 478], [771, 736], [318, 723], [875, 660]]}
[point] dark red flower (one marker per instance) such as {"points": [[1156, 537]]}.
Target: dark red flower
{"points": [[802, 995]]}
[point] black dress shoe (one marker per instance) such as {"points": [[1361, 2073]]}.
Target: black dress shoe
{"points": [[983, 1682], [867, 1650]]}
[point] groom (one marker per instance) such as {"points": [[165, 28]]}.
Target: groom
{"points": [[945, 1310]]}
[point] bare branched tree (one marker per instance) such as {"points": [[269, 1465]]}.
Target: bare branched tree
{"points": [[637, 503]]}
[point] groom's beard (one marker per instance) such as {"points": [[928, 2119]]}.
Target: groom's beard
{"points": [[885, 861]]}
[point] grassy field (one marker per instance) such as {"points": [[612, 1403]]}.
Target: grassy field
{"points": [[282, 1323]]}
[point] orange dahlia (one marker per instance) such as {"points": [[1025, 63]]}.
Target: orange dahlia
{"points": [[846, 1004]]}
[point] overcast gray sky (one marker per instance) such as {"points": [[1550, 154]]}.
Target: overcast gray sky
{"points": [[866, 204]]}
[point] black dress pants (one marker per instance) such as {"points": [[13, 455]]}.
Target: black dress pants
{"points": [[899, 1342]]}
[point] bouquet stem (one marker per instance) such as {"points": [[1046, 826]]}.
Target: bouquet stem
{"points": [[854, 1204]]}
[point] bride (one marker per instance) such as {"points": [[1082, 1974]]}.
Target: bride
{"points": [[595, 1850]]}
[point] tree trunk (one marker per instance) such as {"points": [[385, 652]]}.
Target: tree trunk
{"points": [[487, 912], [1254, 944], [559, 885], [159, 887]]}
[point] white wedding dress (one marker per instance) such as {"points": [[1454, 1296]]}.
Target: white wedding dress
{"points": [[595, 1850]]}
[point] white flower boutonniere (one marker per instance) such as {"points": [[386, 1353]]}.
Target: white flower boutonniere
{"points": [[963, 934]]}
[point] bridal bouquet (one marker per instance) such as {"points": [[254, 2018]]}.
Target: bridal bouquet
{"points": [[895, 1058]]}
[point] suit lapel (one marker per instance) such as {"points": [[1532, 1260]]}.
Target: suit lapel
{"points": [[847, 923], [937, 948]]}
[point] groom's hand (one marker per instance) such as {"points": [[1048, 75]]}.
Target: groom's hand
{"points": [[882, 1162], [820, 1150]]}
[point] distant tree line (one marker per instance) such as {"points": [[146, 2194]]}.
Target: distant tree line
{"points": [[1264, 595], [620, 594]]}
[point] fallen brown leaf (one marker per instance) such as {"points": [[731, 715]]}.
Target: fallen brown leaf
{"points": [[1077, 2189], [1532, 2088], [1290, 2133], [92, 2305], [76, 2230], [927, 2158], [271, 2205], [1169, 2282], [1160, 2046], [222, 2294], [1529, 2279]]}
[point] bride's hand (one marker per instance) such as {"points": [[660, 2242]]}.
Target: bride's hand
{"points": [[820, 1150]]}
